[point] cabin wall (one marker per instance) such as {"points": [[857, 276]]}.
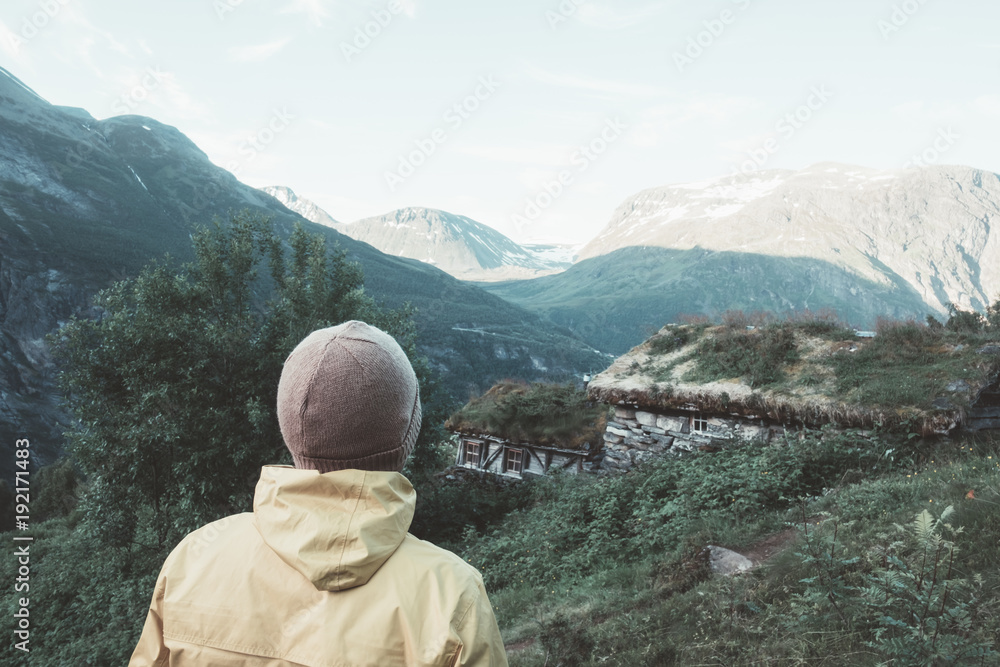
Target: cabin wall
{"points": [[636, 436], [535, 460]]}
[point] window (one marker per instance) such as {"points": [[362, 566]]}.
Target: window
{"points": [[513, 460], [699, 422], [473, 453]]}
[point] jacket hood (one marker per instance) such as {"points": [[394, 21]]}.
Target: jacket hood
{"points": [[336, 528]]}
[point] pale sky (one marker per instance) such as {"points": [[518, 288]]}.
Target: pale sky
{"points": [[488, 104]]}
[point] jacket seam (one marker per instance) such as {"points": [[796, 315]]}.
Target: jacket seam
{"points": [[347, 532]]}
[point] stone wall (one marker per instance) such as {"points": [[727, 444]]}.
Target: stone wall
{"points": [[636, 436]]}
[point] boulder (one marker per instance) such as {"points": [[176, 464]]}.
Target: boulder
{"points": [[726, 563]]}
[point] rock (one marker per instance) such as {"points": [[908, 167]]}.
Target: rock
{"points": [[612, 438], [958, 385], [670, 423], [654, 430], [989, 349], [727, 563], [624, 413], [645, 418], [618, 431]]}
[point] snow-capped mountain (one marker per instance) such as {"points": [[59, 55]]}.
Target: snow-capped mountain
{"points": [[931, 228], [454, 243], [307, 209]]}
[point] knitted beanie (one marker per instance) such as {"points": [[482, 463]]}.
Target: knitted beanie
{"points": [[348, 398]]}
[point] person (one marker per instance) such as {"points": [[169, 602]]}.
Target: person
{"points": [[323, 571]]}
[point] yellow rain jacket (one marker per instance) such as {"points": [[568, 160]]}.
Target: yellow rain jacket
{"points": [[323, 572]]}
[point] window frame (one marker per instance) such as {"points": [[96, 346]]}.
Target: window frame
{"points": [[699, 419], [478, 454], [508, 457]]}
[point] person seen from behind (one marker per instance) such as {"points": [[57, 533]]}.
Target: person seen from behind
{"points": [[324, 572]]}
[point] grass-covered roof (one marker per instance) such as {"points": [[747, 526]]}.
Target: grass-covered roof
{"points": [[809, 372], [559, 416]]}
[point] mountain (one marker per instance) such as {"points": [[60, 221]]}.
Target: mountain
{"points": [[458, 245], [616, 301], [302, 206], [85, 202], [865, 243], [930, 227]]}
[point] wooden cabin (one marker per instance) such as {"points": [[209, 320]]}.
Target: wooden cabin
{"points": [[487, 453], [518, 429]]}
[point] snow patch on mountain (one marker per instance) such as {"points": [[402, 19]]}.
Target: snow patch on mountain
{"points": [[926, 228]]}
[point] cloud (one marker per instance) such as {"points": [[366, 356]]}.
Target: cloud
{"points": [[594, 85], [258, 52], [10, 42], [606, 17], [315, 10], [665, 122], [553, 155], [409, 7], [988, 105]]}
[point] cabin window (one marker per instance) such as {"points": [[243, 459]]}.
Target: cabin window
{"points": [[699, 422], [513, 461], [473, 454]]}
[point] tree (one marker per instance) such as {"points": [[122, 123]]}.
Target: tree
{"points": [[174, 387]]}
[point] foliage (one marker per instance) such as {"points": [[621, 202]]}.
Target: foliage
{"points": [[450, 511], [180, 375], [925, 612], [654, 606], [580, 526], [566, 641], [174, 390], [906, 364], [670, 339], [757, 356], [546, 414], [56, 491]]}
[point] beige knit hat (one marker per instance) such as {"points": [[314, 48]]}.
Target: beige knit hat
{"points": [[348, 398]]}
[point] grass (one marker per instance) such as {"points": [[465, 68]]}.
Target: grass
{"points": [[810, 371], [545, 414], [636, 605]]}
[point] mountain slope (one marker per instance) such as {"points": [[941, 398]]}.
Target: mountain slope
{"points": [[307, 209], [931, 227], [86, 202], [616, 301]]}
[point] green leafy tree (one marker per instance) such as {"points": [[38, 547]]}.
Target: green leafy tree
{"points": [[174, 387]]}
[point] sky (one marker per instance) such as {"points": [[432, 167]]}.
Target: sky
{"points": [[536, 117]]}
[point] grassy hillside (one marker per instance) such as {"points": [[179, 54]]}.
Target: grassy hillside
{"points": [[617, 300], [849, 570]]}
